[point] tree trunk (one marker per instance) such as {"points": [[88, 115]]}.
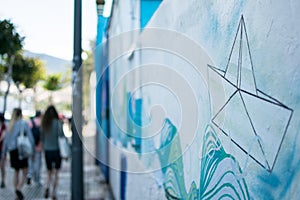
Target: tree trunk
{"points": [[34, 98], [51, 98], [5, 96], [20, 99], [8, 80], [20, 96]]}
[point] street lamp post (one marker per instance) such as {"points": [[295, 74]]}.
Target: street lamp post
{"points": [[77, 155]]}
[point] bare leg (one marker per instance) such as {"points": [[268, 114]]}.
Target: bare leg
{"points": [[16, 179], [18, 184], [37, 167], [48, 181], [30, 169], [2, 166], [22, 181], [55, 183]]}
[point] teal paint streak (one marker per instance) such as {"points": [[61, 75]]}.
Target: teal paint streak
{"points": [[134, 121], [148, 8], [193, 193], [214, 160], [226, 196], [168, 133], [170, 155], [224, 185], [101, 29]]}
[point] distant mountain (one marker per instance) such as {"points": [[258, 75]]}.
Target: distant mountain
{"points": [[52, 64]]}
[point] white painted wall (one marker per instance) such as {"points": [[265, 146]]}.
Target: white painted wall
{"points": [[193, 34]]}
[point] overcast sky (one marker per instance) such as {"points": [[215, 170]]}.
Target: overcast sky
{"points": [[48, 24]]}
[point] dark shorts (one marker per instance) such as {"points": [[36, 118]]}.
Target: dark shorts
{"points": [[15, 162], [53, 159]]}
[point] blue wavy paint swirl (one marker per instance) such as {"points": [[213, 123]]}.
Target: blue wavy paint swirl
{"points": [[220, 175]]}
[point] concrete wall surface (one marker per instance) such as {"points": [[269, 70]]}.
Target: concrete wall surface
{"points": [[205, 100]]}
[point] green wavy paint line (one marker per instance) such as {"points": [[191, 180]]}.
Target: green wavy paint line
{"points": [[215, 182], [214, 161], [170, 158], [220, 183]]}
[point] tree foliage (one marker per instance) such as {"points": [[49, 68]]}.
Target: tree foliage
{"points": [[10, 43], [53, 82], [27, 71], [2, 71], [10, 40]]}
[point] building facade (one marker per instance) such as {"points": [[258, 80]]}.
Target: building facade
{"points": [[199, 99]]}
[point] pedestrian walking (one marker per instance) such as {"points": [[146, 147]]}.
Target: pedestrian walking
{"points": [[51, 129], [2, 157], [35, 163], [17, 127]]}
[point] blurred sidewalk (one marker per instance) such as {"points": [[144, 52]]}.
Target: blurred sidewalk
{"points": [[95, 187]]}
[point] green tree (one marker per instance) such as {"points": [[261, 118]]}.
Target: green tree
{"points": [[26, 73], [38, 74], [2, 68], [2, 71], [11, 42], [53, 82]]}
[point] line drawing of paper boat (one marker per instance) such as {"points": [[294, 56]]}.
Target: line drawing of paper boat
{"points": [[256, 122]]}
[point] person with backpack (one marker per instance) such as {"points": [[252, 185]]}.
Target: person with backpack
{"points": [[18, 131], [36, 160]]}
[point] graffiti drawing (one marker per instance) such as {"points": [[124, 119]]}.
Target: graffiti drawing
{"points": [[255, 121], [220, 175]]}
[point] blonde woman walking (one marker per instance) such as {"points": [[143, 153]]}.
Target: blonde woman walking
{"points": [[15, 126]]}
